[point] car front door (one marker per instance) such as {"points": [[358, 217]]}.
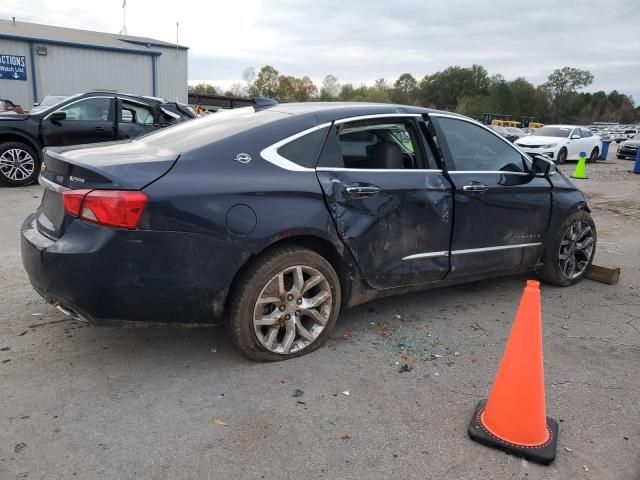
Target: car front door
{"points": [[501, 210], [391, 205], [575, 144], [88, 120]]}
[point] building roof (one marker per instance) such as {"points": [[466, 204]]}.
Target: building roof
{"points": [[81, 38]]}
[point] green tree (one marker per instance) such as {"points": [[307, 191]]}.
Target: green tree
{"points": [[563, 85], [405, 89], [330, 89], [206, 88], [267, 82], [443, 89]]}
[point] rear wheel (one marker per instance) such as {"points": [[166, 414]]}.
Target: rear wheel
{"points": [[620, 157], [594, 155], [570, 250], [285, 305], [19, 164], [562, 156]]}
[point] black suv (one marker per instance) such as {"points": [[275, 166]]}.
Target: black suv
{"points": [[85, 118]]}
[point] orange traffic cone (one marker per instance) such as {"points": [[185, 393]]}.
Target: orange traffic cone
{"points": [[514, 418]]}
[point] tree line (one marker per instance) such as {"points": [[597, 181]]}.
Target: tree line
{"points": [[470, 91]]}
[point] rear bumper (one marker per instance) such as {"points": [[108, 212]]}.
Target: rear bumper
{"points": [[627, 152], [108, 275]]}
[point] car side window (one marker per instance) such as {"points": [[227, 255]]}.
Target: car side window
{"points": [[96, 109], [474, 148], [387, 144], [305, 149], [134, 113], [585, 133]]}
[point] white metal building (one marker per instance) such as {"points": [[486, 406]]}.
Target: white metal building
{"points": [[38, 60]]}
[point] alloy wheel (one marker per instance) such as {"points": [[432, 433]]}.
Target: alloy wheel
{"points": [[17, 164], [576, 249], [292, 309]]}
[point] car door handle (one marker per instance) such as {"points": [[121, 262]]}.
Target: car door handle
{"points": [[475, 188], [362, 191]]}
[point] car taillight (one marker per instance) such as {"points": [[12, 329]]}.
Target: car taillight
{"points": [[110, 208]]}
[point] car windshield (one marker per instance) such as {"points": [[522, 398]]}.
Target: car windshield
{"points": [[514, 130], [637, 137], [561, 132]]}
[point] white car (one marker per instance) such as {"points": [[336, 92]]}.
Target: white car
{"points": [[562, 142]]}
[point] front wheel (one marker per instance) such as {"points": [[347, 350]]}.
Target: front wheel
{"points": [[19, 164], [570, 250], [285, 305], [562, 156]]}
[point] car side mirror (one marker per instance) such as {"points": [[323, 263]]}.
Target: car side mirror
{"points": [[575, 137], [57, 117], [542, 166]]}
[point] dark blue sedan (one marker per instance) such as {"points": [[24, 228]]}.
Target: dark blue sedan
{"points": [[274, 218]]}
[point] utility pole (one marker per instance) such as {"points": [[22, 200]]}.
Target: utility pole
{"points": [[124, 18]]}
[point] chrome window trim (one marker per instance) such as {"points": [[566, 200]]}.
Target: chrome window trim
{"points": [[73, 103], [470, 250], [271, 155], [373, 116], [51, 185], [473, 122], [426, 255], [501, 172], [396, 170]]}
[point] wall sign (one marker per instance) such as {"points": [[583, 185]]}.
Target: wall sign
{"points": [[13, 67]]}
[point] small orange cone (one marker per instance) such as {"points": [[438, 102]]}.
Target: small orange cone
{"points": [[514, 418]]}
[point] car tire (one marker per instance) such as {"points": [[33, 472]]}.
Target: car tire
{"points": [[19, 164], [593, 158], [560, 245], [620, 157], [261, 295], [562, 156]]}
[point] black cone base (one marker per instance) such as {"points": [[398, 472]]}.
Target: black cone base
{"points": [[544, 454]]}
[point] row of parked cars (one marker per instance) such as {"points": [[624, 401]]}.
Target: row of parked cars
{"points": [[557, 142], [70, 120]]}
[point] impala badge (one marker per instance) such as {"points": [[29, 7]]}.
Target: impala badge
{"points": [[243, 158]]}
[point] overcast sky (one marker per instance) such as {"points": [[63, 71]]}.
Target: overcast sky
{"points": [[359, 41]]}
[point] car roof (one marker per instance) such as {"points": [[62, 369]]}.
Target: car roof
{"points": [[565, 126], [329, 111]]}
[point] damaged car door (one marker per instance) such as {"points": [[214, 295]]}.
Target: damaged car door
{"points": [[391, 204]]}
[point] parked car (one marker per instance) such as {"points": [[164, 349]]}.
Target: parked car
{"points": [[562, 142], [7, 106], [629, 148], [47, 102], [274, 219], [85, 118], [515, 133]]}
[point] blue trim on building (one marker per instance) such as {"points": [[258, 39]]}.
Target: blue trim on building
{"points": [[154, 72], [154, 44], [34, 82], [79, 45]]}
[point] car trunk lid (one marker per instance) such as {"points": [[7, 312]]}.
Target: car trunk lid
{"points": [[113, 166]]}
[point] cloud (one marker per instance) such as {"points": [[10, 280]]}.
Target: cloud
{"points": [[364, 40]]}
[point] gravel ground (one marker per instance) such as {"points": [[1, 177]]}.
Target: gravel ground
{"points": [[79, 401]]}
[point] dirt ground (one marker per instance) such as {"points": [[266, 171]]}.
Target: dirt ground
{"points": [[79, 401]]}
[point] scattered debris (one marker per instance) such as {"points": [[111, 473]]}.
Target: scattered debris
{"points": [[5, 349], [213, 350], [347, 336], [346, 392], [36, 314], [345, 436], [406, 368], [397, 316], [586, 469], [568, 449], [298, 393], [6, 361], [218, 421], [382, 330], [436, 374], [435, 356], [23, 333], [283, 381], [19, 447], [301, 402]]}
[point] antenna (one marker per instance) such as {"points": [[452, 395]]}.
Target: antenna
{"points": [[177, 25], [124, 18]]}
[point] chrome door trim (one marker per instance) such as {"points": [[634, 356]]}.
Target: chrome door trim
{"points": [[470, 250], [271, 155], [501, 172], [427, 255], [494, 249], [342, 169]]}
